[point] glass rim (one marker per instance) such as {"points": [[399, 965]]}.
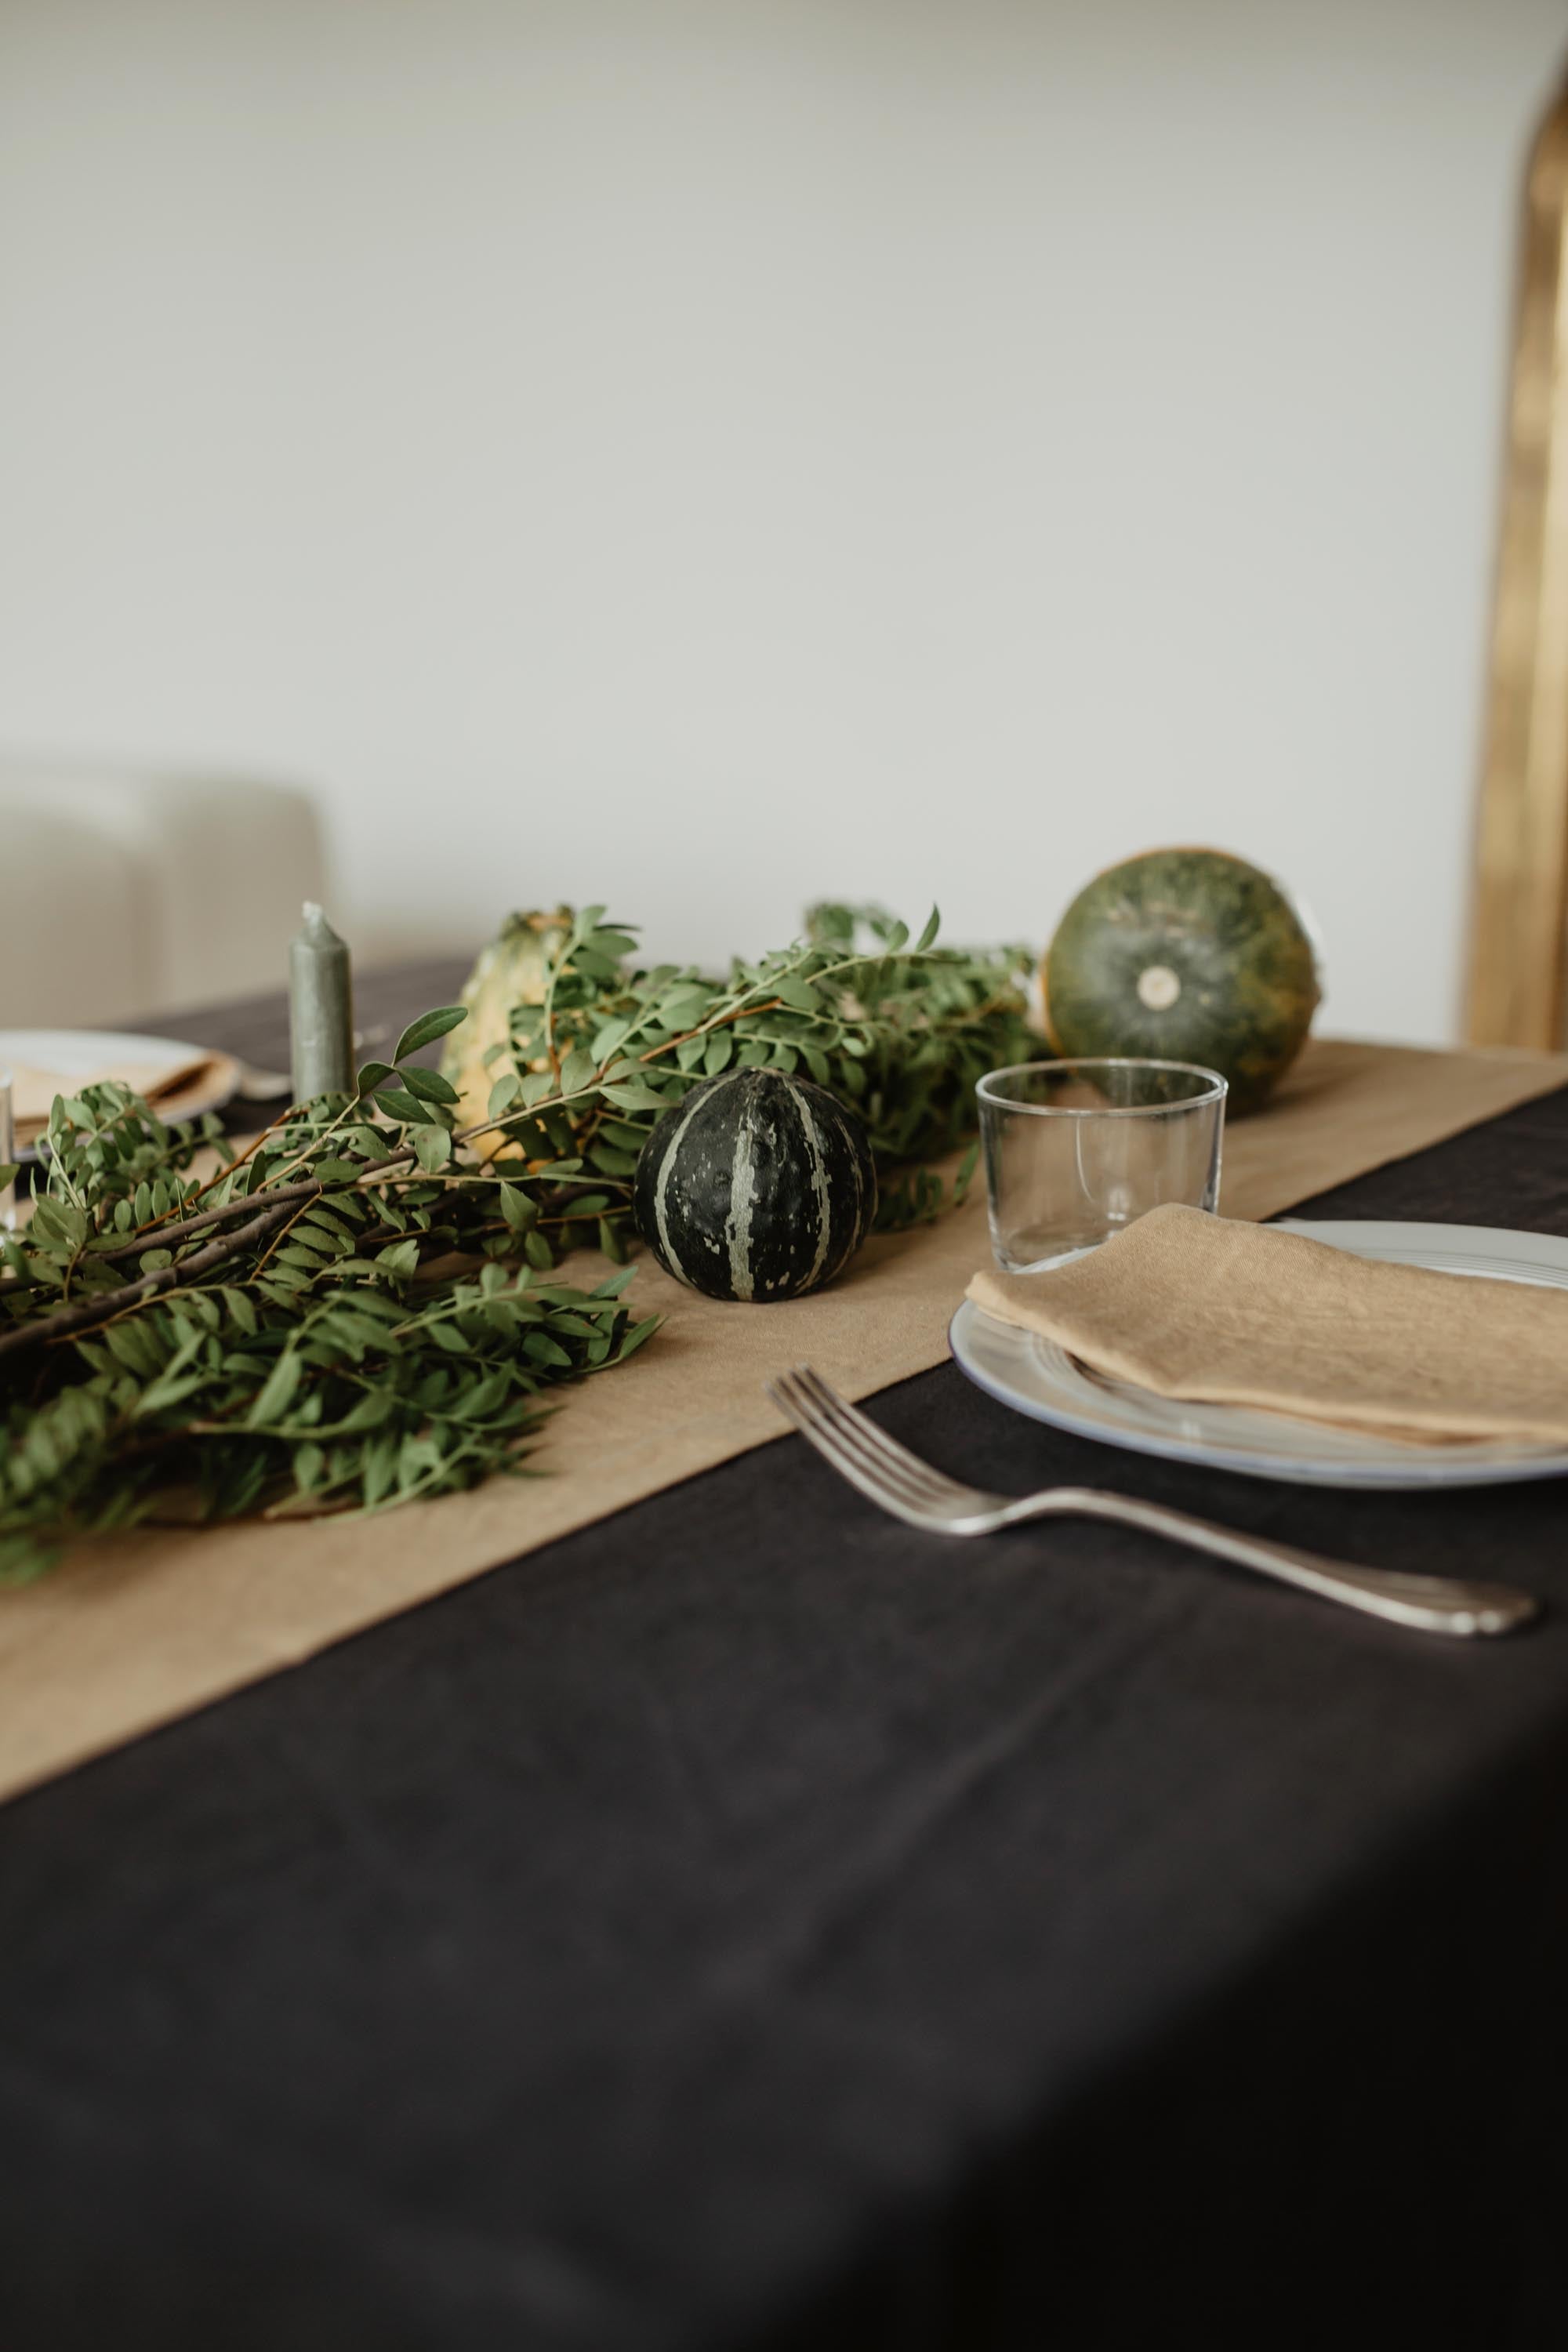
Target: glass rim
{"points": [[989, 1093]]}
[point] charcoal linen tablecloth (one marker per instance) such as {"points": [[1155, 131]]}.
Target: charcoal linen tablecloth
{"points": [[749, 1923]]}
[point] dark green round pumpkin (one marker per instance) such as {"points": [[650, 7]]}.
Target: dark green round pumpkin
{"points": [[758, 1186], [1188, 955]]}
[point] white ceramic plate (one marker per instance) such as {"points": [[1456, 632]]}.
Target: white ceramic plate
{"points": [[82, 1055], [1038, 1377]]}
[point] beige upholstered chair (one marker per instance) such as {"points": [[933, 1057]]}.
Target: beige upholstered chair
{"points": [[1518, 993], [122, 895]]}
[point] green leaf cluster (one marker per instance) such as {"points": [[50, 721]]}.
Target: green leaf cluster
{"points": [[354, 1314], [897, 1026], [363, 1309]]}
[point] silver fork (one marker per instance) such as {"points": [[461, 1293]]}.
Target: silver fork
{"points": [[901, 1482]]}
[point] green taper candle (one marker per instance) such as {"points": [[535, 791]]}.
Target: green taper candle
{"points": [[321, 1010]]}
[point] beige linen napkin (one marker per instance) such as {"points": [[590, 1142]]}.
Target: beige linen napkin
{"points": [[1196, 1307], [161, 1085]]}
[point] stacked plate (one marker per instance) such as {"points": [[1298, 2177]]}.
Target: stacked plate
{"points": [[1042, 1380], [180, 1081]]}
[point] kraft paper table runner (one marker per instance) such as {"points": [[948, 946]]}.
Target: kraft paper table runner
{"points": [[136, 1631]]}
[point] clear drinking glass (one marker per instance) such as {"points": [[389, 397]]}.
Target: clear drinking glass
{"points": [[1075, 1150]]}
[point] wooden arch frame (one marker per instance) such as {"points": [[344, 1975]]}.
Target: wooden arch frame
{"points": [[1518, 982]]}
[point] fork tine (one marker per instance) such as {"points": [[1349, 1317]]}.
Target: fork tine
{"points": [[924, 1490], [797, 1407], [886, 1450], [886, 1475]]}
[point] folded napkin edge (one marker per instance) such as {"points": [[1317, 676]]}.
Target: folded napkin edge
{"points": [[1392, 1370]]}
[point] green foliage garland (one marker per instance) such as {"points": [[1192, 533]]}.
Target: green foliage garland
{"points": [[361, 1308], [901, 1031]]}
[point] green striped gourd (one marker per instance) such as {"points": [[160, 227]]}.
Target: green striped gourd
{"points": [[758, 1186]]}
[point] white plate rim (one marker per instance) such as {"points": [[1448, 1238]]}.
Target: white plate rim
{"points": [[91, 1049], [1382, 1464]]}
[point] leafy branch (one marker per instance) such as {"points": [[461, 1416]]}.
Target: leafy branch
{"points": [[349, 1316], [361, 1308], [901, 1029]]}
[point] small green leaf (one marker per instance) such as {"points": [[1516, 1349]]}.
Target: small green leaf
{"points": [[360, 1331], [277, 1392], [636, 1337], [429, 1026], [400, 1104], [11, 1250], [516, 1208], [612, 1241], [684, 1009], [609, 1039], [296, 1254], [543, 1349], [429, 1086], [635, 1094], [134, 1346], [933, 925], [375, 1407], [798, 994], [161, 1395], [432, 1147], [380, 1468], [612, 1161]]}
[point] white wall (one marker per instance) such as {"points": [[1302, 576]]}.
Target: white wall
{"points": [[698, 455]]}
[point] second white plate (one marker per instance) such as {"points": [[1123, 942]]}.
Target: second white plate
{"points": [[1038, 1377], [76, 1056]]}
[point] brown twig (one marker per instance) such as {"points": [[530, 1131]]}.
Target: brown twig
{"points": [[308, 1188], [282, 1205], [103, 1309], [251, 1149]]}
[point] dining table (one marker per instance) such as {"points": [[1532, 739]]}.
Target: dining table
{"points": [[751, 1923]]}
